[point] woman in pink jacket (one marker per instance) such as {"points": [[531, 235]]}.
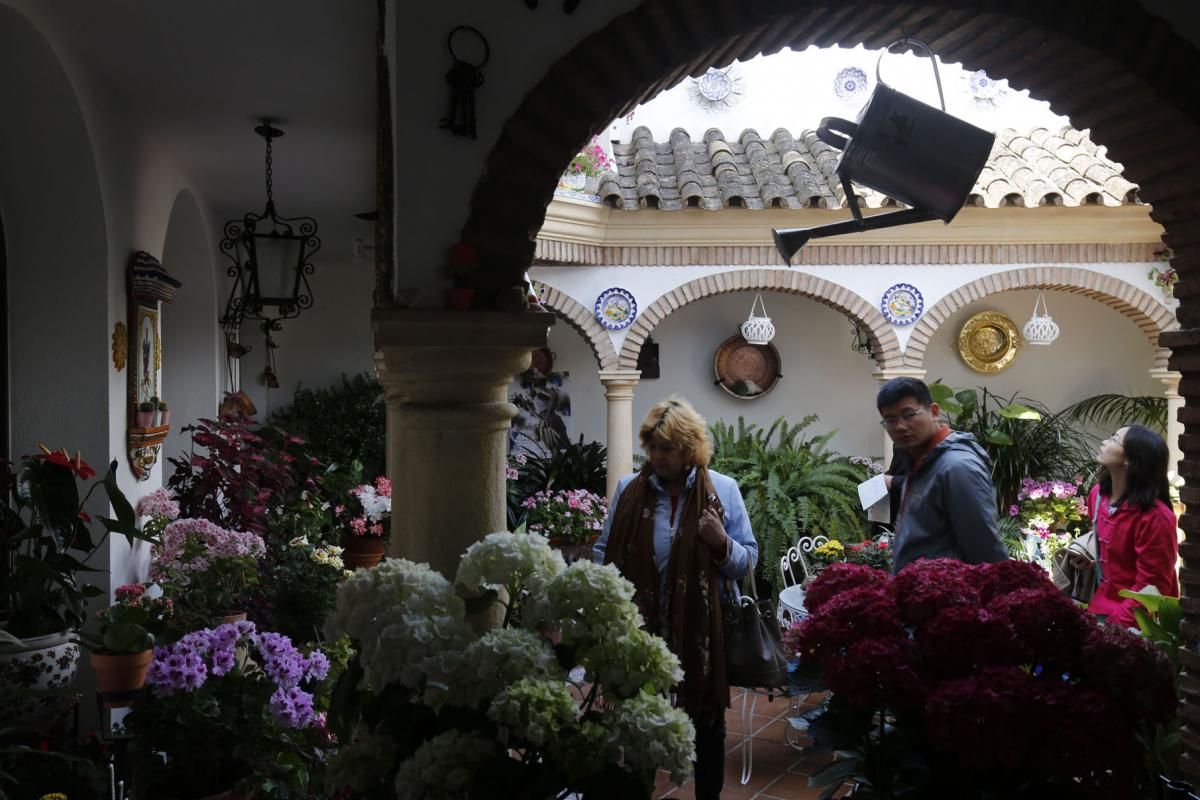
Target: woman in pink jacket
{"points": [[1135, 526]]}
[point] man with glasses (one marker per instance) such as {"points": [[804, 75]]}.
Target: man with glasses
{"points": [[947, 503]]}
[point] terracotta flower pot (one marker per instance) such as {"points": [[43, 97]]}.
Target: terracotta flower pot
{"points": [[120, 676], [144, 419], [228, 617], [164, 417], [573, 551], [362, 551]]}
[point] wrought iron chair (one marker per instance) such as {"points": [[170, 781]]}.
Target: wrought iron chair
{"points": [[795, 568]]}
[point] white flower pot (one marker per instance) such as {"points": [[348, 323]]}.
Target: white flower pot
{"points": [[39, 663]]}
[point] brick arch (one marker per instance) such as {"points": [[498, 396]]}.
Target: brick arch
{"points": [[1036, 46], [1147, 313], [785, 281], [582, 320]]}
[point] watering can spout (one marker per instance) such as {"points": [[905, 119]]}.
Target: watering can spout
{"points": [[788, 242]]}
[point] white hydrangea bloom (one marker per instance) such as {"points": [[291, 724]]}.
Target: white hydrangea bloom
{"points": [[534, 710], [360, 765], [511, 560], [403, 615], [653, 735], [588, 603], [626, 663], [496, 659], [443, 767]]}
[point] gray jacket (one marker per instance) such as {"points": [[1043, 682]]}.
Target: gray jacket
{"points": [[948, 508]]}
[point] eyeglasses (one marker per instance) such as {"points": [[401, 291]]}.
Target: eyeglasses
{"points": [[906, 417]]}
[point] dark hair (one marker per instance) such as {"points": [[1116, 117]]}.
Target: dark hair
{"points": [[897, 389], [1146, 476]]}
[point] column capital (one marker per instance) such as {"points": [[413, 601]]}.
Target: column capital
{"points": [[619, 383], [1168, 376], [885, 375]]}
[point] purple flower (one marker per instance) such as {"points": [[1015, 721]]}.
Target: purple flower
{"points": [[1014, 510], [317, 666], [292, 707]]}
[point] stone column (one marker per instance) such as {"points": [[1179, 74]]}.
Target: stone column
{"points": [[446, 376], [619, 385], [1170, 379]]}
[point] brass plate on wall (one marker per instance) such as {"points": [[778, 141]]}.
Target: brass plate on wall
{"points": [[988, 342], [746, 370]]}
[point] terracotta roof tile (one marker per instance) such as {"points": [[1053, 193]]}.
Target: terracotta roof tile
{"points": [[1041, 167]]}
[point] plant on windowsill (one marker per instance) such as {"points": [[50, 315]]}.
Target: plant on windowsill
{"points": [[1165, 279]]}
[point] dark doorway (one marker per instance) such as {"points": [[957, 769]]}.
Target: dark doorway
{"points": [[4, 432]]}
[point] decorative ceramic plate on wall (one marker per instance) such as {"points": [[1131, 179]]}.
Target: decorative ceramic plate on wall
{"points": [[616, 309], [902, 304], [988, 342], [746, 370]]}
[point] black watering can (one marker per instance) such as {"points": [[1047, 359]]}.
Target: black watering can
{"points": [[899, 146]]}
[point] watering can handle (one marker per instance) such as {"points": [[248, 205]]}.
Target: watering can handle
{"points": [[836, 132], [928, 52]]}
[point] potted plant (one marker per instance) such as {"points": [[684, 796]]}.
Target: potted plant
{"points": [[584, 171], [121, 652], [145, 414], [1048, 514], [570, 519], [230, 711], [164, 413], [366, 520], [45, 543], [209, 572]]}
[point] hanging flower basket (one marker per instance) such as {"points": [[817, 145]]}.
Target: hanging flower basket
{"points": [[758, 329], [1041, 328]]}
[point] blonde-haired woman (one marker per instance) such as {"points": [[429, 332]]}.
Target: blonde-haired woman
{"points": [[680, 533]]}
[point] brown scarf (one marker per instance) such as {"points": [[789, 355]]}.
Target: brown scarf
{"points": [[693, 604]]}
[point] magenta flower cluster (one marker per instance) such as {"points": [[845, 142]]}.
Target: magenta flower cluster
{"points": [[158, 503], [1049, 506], [192, 545], [568, 515], [190, 663], [369, 510]]}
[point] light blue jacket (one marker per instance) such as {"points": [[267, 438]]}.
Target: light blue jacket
{"points": [[743, 554]]}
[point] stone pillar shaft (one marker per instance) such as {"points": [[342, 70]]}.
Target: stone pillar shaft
{"points": [[446, 376], [619, 385], [1170, 379]]}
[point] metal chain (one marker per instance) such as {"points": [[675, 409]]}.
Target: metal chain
{"points": [[270, 198]]}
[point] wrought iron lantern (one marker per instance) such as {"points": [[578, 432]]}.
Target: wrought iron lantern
{"points": [[861, 343], [758, 329], [1041, 328], [270, 256]]}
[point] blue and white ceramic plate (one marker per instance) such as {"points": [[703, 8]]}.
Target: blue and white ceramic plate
{"points": [[850, 84], [902, 304], [616, 309]]}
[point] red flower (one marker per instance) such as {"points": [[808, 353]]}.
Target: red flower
{"points": [[1131, 670], [850, 617], [838, 578], [960, 640], [925, 587], [61, 458], [1049, 623], [875, 673], [1003, 577], [989, 721]]}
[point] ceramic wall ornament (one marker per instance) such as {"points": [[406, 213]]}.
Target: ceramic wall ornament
{"points": [[989, 342], [717, 89], [851, 84], [616, 309], [902, 304], [987, 93], [744, 370], [120, 345], [150, 285]]}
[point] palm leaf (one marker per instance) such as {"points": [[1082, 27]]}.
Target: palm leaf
{"points": [[1114, 410]]}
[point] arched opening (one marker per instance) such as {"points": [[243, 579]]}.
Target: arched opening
{"points": [[192, 347]]}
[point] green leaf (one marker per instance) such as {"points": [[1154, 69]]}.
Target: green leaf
{"points": [[1016, 411], [940, 392], [999, 437]]}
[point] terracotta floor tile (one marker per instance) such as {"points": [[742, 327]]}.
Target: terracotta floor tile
{"points": [[810, 763], [759, 777], [791, 787]]}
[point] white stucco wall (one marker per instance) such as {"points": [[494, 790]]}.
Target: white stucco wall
{"points": [[1099, 351]]}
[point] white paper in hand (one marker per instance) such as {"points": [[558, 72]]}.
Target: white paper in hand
{"points": [[871, 491]]}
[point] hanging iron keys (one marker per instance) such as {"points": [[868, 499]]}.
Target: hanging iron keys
{"points": [[464, 78]]}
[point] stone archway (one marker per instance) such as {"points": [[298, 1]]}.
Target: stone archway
{"points": [[1073, 54], [582, 320], [1147, 313], [883, 338]]}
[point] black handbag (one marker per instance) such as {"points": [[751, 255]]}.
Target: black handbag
{"points": [[754, 656]]}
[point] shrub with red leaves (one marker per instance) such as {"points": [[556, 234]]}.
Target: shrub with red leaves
{"points": [[926, 586], [1131, 670], [1046, 620], [1004, 577], [838, 578], [874, 673], [864, 612], [962, 639]]}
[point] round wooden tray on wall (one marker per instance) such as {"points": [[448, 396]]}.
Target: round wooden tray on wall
{"points": [[746, 371]]}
